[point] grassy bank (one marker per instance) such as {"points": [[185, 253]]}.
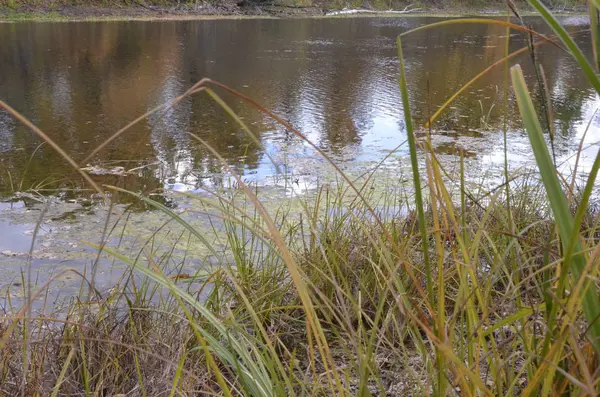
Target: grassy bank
{"points": [[242, 328], [9, 16], [42, 16], [440, 288], [66, 10]]}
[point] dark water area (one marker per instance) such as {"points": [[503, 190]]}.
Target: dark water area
{"points": [[334, 79]]}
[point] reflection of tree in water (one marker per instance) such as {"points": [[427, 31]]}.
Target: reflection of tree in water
{"points": [[444, 61], [568, 103], [332, 78], [188, 161], [66, 89]]}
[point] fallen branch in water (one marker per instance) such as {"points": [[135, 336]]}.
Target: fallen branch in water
{"points": [[346, 11]]}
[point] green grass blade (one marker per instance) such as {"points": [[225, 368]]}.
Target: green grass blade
{"points": [[63, 372], [518, 315], [412, 144], [558, 201]]}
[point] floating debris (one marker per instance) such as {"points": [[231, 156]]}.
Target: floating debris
{"points": [[98, 170]]}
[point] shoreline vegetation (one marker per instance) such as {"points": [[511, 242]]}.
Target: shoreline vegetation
{"points": [[461, 291], [16, 10]]}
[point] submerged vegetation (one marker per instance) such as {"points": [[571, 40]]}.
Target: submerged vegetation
{"points": [[439, 288]]}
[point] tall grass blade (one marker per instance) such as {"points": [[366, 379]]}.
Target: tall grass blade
{"points": [[412, 144], [63, 372], [558, 200]]}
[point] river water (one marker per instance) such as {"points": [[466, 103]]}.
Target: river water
{"points": [[333, 79]]}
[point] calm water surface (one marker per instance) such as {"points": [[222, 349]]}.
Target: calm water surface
{"points": [[334, 79]]}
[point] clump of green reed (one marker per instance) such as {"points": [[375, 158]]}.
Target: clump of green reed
{"points": [[564, 281], [137, 340], [132, 342]]}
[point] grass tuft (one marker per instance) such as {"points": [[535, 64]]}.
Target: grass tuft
{"points": [[437, 288]]}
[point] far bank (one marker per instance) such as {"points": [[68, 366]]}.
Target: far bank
{"points": [[66, 10]]}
